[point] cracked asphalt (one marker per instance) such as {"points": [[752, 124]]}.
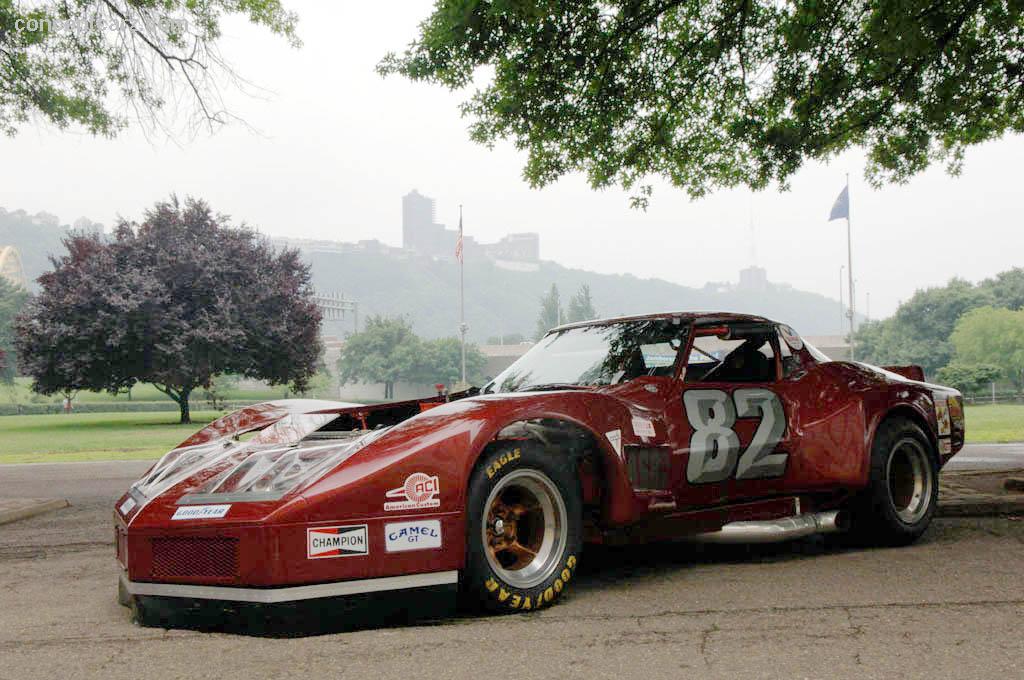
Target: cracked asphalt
{"points": [[951, 606]]}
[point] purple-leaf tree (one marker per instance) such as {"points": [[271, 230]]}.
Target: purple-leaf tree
{"points": [[173, 301]]}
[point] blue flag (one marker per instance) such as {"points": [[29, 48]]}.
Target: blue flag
{"points": [[841, 208]]}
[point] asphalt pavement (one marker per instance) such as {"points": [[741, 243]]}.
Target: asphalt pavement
{"points": [[951, 606]]}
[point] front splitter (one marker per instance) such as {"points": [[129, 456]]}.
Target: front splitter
{"points": [[288, 593]]}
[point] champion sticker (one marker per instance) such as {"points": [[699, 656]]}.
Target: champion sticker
{"points": [[643, 427], [419, 491], [403, 536], [347, 541], [201, 511]]}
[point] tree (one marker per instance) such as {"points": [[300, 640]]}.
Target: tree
{"points": [[440, 361], [174, 301], [12, 299], [385, 351], [919, 332], [388, 351], [720, 93], [968, 378], [550, 313], [80, 62], [1007, 288], [989, 335], [581, 306]]}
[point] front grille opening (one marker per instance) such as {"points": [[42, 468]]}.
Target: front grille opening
{"points": [[179, 557]]}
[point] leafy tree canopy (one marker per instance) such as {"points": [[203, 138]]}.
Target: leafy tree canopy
{"points": [[993, 336], [12, 299], [173, 301], [919, 332], [721, 93], [551, 313], [581, 306], [81, 62], [388, 351], [968, 378]]}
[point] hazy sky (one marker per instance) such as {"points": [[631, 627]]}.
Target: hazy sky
{"points": [[338, 146]]}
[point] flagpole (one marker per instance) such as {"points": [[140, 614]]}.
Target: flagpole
{"points": [[462, 300], [849, 269]]}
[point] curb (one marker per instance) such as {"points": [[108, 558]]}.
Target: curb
{"points": [[8, 516], [981, 509]]}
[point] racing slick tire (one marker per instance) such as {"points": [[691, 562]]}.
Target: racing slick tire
{"points": [[524, 528], [903, 486]]}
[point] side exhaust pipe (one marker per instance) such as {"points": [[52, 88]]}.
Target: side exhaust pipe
{"points": [[773, 531]]}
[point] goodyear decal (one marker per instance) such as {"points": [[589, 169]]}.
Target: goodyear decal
{"points": [[524, 601]]}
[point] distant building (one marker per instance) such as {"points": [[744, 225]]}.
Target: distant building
{"points": [[753, 278], [421, 233], [10, 266]]}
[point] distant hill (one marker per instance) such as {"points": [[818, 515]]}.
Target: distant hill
{"points": [[497, 300], [502, 301], [37, 237]]}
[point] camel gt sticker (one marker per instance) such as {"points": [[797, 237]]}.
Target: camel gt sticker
{"points": [[336, 542], [403, 536], [419, 491]]}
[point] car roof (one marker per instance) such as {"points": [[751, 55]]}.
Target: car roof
{"points": [[688, 317]]}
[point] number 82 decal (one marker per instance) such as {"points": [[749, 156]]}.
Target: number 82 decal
{"points": [[715, 446]]}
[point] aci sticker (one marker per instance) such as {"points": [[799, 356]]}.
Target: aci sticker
{"points": [[200, 511], [336, 542], [403, 536], [419, 491]]}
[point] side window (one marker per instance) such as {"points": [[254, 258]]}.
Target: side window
{"points": [[737, 354]]}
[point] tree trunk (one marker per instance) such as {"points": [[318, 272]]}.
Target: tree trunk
{"points": [[186, 416]]}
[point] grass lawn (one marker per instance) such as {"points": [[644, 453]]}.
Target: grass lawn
{"points": [[93, 436], [20, 392], [995, 423]]}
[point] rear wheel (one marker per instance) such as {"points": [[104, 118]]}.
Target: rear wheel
{"points": [[524, 528], [903, 488]]}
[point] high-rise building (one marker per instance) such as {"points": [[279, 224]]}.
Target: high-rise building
{"points": [[419, 227]]}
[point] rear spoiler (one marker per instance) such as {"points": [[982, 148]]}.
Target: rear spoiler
{"points": [[912, 372]]}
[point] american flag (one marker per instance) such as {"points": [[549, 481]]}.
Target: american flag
{"points": [[458, 243]]}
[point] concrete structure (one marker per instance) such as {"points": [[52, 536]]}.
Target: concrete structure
{"points": [[500, 357], [835, 347], [10, 266]]}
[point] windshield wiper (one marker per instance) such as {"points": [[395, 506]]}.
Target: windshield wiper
{"points": [[541, 387]]}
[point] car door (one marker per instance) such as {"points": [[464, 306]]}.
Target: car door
{"points": [[736, 435]]}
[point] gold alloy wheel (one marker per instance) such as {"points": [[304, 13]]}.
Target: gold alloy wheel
{"points": [[525, 528]]}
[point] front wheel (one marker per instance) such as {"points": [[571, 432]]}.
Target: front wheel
{"points": [[524, 528], [903, 489]]}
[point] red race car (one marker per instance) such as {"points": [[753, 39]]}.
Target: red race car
{"points": [[703, 426]]}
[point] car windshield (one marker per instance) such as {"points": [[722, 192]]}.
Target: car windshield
{"points": [[604, 354]]}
